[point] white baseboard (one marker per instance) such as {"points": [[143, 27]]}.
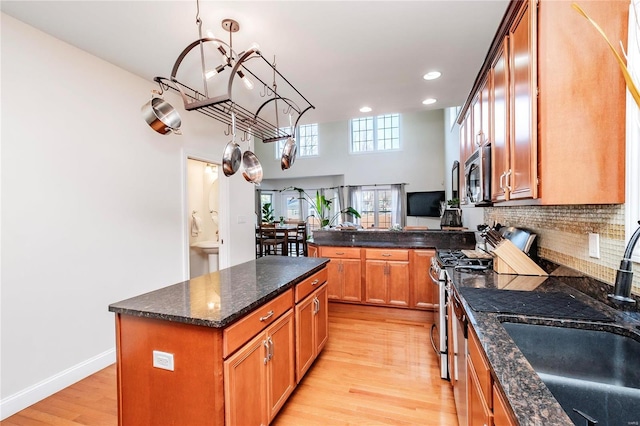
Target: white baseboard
{"points": [[29, 396]]}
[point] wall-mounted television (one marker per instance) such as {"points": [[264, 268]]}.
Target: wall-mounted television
{"points": [[425, 203]]}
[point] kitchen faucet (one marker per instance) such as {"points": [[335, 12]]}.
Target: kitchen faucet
{"points": [[622, 290]]}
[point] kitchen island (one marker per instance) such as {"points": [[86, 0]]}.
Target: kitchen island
{"points": [[498, 363], [227, 347]]}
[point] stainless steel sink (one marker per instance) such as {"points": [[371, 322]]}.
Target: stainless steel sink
{"points": [[594, 372]]}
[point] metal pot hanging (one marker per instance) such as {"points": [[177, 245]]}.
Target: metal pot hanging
{"points": [[232, 155], [252, 167], [161, 116], [290, 149]]}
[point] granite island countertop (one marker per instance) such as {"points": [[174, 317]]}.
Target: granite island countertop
{"points": [[219, 298], [530, 399]]}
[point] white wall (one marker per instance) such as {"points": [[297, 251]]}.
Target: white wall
{"points": [[419, 163], [92, 208]]}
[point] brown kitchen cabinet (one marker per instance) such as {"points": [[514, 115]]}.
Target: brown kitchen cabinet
{"points": [[260, 376], [502, 415], [312, 326], [344, 270], [312, 250], [387, 277], [421, 286], [557, 132], [479, 413], [499, 75]]}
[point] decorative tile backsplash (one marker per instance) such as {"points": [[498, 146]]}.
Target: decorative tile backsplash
{"points": [[563, 235]]}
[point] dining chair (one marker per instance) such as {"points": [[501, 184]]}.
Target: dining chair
{"points": [[298, 239], [272, 240]]}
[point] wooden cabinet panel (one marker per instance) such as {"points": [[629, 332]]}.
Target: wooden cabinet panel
{"points": [[260, 376], [523, 174], [305, 287], [344, 273], [481, 367], [281, 367], [479, 413], [340, 252], [398, 283], [501, 413], [387, 282], [352, 280], [312, 250], [375, 278], [386, 254], [245, 383], [334, 279], [421, 286], [312, 330], [500, 142], [305, 345], [322, 319], [240, 332]]}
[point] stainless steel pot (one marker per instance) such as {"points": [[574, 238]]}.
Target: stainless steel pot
{"points": [[288, 154], [161, 116]]}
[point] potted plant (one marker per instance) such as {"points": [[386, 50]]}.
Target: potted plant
{"points": [[267, 213], [322, 206]]}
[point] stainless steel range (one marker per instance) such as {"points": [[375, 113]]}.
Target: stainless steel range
{"points": [[442, 260]]}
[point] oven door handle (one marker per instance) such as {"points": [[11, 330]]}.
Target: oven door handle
{"points": [[433, 343], [435, 280]]}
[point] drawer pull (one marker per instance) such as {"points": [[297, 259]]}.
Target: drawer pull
{"points": [[266, 317], [386, 254], [339, 253], [315, 282]]}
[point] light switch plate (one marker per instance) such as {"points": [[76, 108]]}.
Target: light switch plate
{"points": [[594, 245], [163, 360]]}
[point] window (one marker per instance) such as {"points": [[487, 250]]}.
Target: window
{"points": [[307, 141], [291, 207], [381, 133], [376, 208]]}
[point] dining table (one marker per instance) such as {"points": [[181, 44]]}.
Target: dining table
{"points": [[282, 231]]}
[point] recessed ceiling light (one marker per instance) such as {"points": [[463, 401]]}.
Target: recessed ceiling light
{"points": [[365, 109], [432, 75], [429, 101]]}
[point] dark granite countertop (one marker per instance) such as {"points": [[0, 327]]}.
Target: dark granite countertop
{"points": [[530, 399], [395, 239], [218, 299]]}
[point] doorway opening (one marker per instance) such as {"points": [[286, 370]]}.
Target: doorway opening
{"points": [[203, 216]]}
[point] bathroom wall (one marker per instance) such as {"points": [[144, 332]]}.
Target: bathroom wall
{"points": [[563, 235], [203, 188]]}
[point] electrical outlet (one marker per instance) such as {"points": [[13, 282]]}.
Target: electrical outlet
{"points": [[163, 360], [594, 245]]}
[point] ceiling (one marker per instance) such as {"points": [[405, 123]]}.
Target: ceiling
{"points": [[341, 55]]}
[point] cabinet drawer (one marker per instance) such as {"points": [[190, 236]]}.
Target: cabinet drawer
{"points": [[310, 284], [501, 411], [242, 331], [476, 354], [340, 252], [387, 254]]}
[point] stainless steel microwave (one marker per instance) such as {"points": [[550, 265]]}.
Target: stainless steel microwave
{"points": [[477, 177]]}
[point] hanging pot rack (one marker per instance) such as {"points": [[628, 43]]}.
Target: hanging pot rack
{"points": [[220, 107]]}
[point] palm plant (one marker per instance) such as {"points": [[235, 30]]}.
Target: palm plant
{"points": [[322, 206]]}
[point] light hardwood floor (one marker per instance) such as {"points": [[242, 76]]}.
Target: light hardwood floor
{"points": [[378, 368]]}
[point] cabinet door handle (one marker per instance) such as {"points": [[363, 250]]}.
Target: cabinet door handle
{"points": [[270, 348], [508, 180], [501, 179], [315, 282], [316, 304], [266, 317], [266, 351]]}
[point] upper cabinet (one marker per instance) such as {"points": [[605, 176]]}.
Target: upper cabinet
{"points": [[556, 105]]}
